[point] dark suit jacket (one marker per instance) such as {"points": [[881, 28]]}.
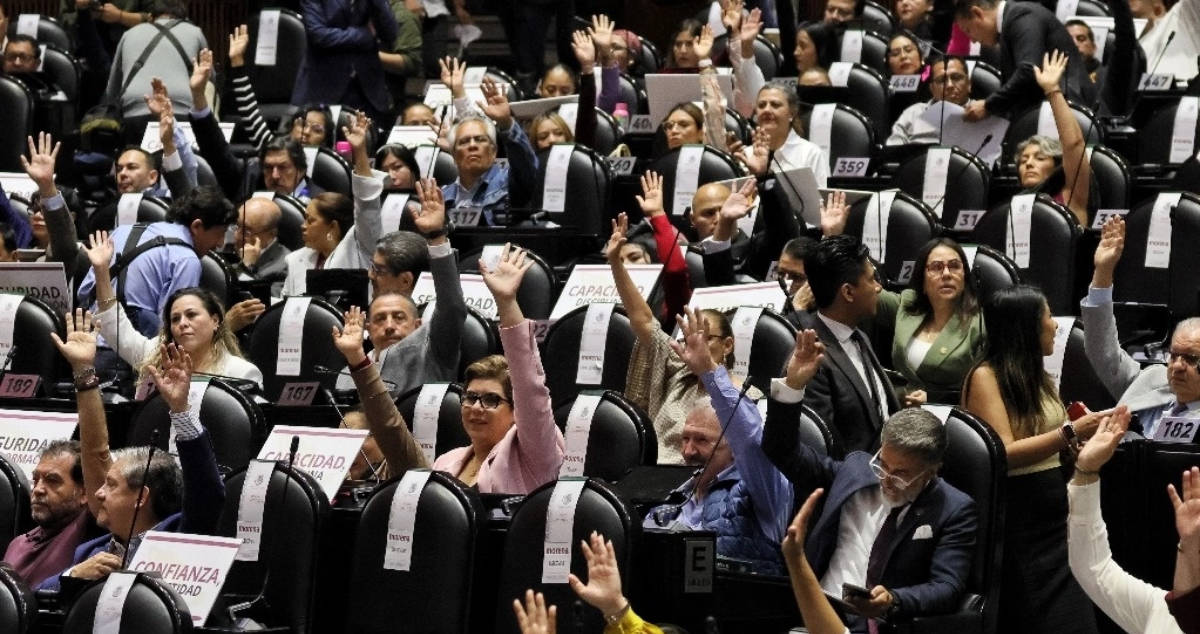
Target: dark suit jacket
{"points": [[925, 571], [840, 397], [239, 178], [271, 266], [1030, 31], [342, 48]]}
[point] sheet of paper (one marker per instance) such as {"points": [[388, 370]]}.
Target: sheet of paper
{"points": [[570, 113], [578, 431], [593, 283], [27, 24], [324, 453], [268, 38], [9, 303], [1054, 361], [1183, 135], [967, 135], [875, 223], [554, 189], [937, 167], [392, 211], [560, 524], [590, 369], [412, 136], [687, 177], [250, 508], [426, 413], [26, 432], [821, 126], [291, 336], [111, 603], [839, 73], [745, 321], [852, 43], [310, 157], [1065, 9], [664, 91], [127, 209], [1020, 222], [1158, 238], [195, 566], [1046, 125], [402, 519]]}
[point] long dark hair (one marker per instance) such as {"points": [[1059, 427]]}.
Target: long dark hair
{"points": [[968, 302], [1013, 318]]}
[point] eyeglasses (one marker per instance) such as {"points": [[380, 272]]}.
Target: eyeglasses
{"points": [[1188, 359], [486, 399], [937, 267], [481, 139], [19, 57], [885, 476], [380, 269]]}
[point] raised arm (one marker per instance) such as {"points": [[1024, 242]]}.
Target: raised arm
{"points": [[819, 616], [445, 327], [385, 422], [244, 96], [227, 168], [585, 115], [522, 161], [110, 319], [1076, 169], [676, 283], [40, 168], [641, 316], [1113, 365], [781, 431], [178, 163], [80, 352], [368, 225], [747, 76], [610, 89]]}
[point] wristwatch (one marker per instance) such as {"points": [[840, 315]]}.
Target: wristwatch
{"points": [[446, 230], [1069, 435]]}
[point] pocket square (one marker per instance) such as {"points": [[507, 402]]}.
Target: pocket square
{"points": [[923, 531]]}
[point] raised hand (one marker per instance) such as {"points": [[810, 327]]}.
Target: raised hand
{"points": [[585, 50], [793, 542], [100, 250], [166, 129], [694, 349], [1187, 508], [759, 157], [1099, 449], [202, 68], [534, 617], [452, 75], [602, 36], [704, 44], [158, 101], [834, 213], [504, 280], [603, 588], [80, 347], [174, 377], [738, 205], [356, 132], [751, 26], [496, 108], [1112, 244], [238, 41], [40, 164], [620, 231], [805, 360], [431, 217], [349, 338], [731, 14], [651, 200], [1054, 63]]}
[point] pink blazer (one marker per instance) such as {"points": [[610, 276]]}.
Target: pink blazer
{"points": [[531, 453]]}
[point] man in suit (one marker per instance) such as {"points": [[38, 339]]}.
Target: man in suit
{"points": [[341, 62], [889, 523], [1025, 32], [1156, 391], [257, 240], [850, 392]]}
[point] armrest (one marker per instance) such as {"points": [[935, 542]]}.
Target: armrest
{"points": [[968, 619]]}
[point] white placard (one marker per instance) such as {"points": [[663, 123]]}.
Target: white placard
{"points": [[967, 219], [27, 24], [937, 167], [1054, 361], [971, 251], [475, 292], [16, 183], [250, 508], [426, 412], [687, 177], [968, 135], [593, 284], [42, 280], [1158, 238], [641, 124], [723, 298], [839, 73], [622, 165], [1046, 126], [402, 518], [560, 525], [905, 83], [570, 114], [590, 369], [941, 411], [745, 321], [906, 271], [152, 143], [9, 303], [412, 136], [474, 74], [194, 566], [335, 115], [127, 209], [325, 454], [290, 345], [1020, 222], [852, 44], [1065, 9], [111, 603], [392, 211], [1100, 35], [554, 189], [1104, 215], [875, 223], [1183, 136], [426, 158], [851, 166], [1157, 82], [310, 156], [975, 49], [578, 431], [268, 38], [821, 125], [1177, 429], [26, 433]]}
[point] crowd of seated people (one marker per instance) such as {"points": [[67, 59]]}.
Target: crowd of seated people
{"points": [[186, 206]]}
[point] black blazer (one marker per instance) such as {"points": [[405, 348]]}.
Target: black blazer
{"points": [[839, 396], [1029, 31]]}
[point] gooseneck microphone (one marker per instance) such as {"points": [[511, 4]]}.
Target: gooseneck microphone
{"points": [[137, 508]]}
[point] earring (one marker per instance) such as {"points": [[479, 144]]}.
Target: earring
{"points": [[329, 236]]}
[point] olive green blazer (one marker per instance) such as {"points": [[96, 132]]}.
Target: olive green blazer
{"points": [[957, 348]]}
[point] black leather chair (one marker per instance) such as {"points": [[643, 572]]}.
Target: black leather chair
{"points": [[598, 509], [286, 571], [514, 92], [1091, 8], [216, 276], [737, 125], [992, 270], [852, 134], [649, 61], [34, 352], [331, 172], [539, 288], [479, 338], [608, 133], [1110, 173], [985, 79], [774, 339], [273, 84], [204, 173], [815, 433], [49, 31], [968, 181], [18, 606], [560, 354], [151, 607], [64, 70], [1053, 240], [715, 165], [878, 18], [586, 208], [445, 171], [16, 103], [1025, 125], [1133, 281], [874, 51], [1079, 380], [866, 91], [1185, 262], [235, 425], [694, 257], [632, 95], [976, 464], [14, 502], [450, 432], [910, 226], [434, 594], [318, 347], [153, 209], [767, 56], [621, 437], [291, 221]]}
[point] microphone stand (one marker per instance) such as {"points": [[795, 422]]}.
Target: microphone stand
{"points": [[137, 507], [987, 139]]}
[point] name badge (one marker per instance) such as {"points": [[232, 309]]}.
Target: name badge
{"points": [[851, 166], [19, 385], [1176, 429], [905, 83]]}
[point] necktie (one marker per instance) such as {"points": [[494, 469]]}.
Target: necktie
{"points": [[879, 549], [864, 353]]}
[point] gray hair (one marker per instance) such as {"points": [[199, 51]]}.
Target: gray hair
{"points": [[488, 125], [1187, 325], [403, 251], [918, 432], [164, 478], [1049, 146]]}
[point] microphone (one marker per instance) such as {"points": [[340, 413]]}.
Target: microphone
{"points": [[137, 507], [987, 139], [328, 371], [1157, 60]]}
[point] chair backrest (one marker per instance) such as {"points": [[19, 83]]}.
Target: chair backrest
{"points": [[968, 182], [34, 352], [768, 57], [1053, 239], [585, 208], [151, 607], [1133, 281], [479, 338], [815, 433], [985, 79], [1185, 261], [597, 509], [851, 134], [16, 103], [216, 276], [560, 354], [434, 594], [910, 225], [1079, 380], [774, 338], [318, 348], [976, 464], [992, 270], [14, 502], [499, 76], [294, 515], [648, 61], [874, 50], [204, 173], [608, 133], [235, 425], [1025, 125], [697, 278], [331, 172], [539, 288], [631, 94], [18, 606], [273, 84], [291, 221], [867, 91], [878, 18], [62, 69], [450, 432], [49, 31], [1110, 173], [621, 437], [715, 165], [1091, 8]]}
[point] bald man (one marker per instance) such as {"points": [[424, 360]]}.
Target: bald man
{"points": [[725, 247], [256, 240]]}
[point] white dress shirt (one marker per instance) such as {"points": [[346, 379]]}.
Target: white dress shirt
{"points": [[850, 347]]}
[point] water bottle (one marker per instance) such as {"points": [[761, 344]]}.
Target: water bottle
{"points": [[345, 151], [621, 114]]}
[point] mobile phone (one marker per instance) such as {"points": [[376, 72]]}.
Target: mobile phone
{"points": [[851, 591], [1077, 410]]}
